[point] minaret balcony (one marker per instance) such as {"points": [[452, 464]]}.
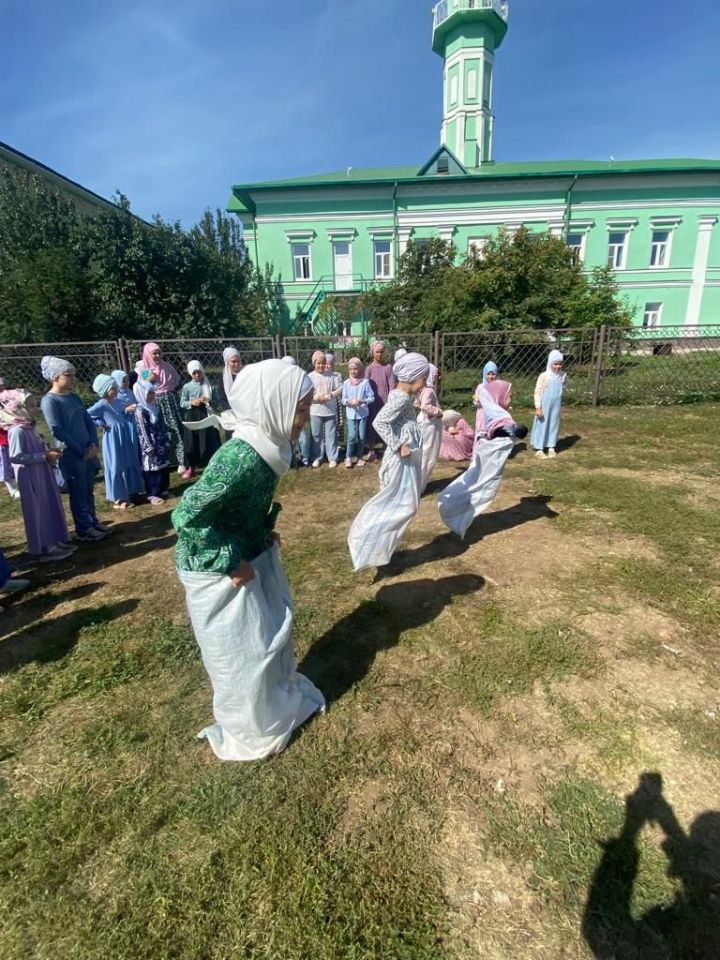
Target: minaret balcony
{"points": [[446, 8]]}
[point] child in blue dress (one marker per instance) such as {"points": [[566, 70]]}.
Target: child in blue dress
{"points": [[121, 461], [548, 405], [72, 428]]}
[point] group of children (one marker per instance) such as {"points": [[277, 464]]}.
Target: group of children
{"points": [[149, 427]]}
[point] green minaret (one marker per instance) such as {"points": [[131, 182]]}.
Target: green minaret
{"points": [[466, 34]]}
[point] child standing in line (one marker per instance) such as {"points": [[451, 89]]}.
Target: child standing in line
{"points": [[43, 515], [337, 381], [125, 396], [7, 474], [490, 372], [357, 396], [154, 451], [430, 420], [323, 412], [197, 400], [548, 406], [120, 459], [70, 425]]}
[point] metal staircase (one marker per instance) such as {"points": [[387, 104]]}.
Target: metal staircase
{"points": [[325, 322]]}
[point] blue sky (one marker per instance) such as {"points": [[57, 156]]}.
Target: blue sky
{"points": [[172, 101]]}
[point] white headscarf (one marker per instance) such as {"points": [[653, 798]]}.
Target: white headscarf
{"points": [[555, 357], [206, 388], [400, 352], [141, 389], [411, 367], [432, 375], [228, 379], [450, 418], [263, 401]]}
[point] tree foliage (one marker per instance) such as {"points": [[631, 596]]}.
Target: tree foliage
{"points": [[66, 274], [524, 280]]}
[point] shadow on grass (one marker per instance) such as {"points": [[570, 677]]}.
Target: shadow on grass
{"points": [[449, 545], [435, 486], [686, 929], [345, 653], [52, 639], [565, 443], [32, 606]]}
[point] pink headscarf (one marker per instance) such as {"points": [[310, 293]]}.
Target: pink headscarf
{"points": [[495, 399], [12, 409], [319, 355], [357, 362], [166, 376]]}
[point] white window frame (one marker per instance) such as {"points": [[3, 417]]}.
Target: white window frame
{"points": [[453, 89], [652, 318], [299, 257], [379, 274], [579, 247], [656, 245], [614, 247], [472, 85], [477, 244]]}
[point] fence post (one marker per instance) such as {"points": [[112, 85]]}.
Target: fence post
{"points": [[123, 355], [436, 349], [598, 367]]}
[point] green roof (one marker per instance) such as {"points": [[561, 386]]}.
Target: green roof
{"points": [[489, 171]]}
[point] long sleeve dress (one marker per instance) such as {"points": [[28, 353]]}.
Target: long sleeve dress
{"points": [[548, 398], [430, 420], [396, 425], [244, 634], [121, 458], [42, 508], [382, 380], [200, 445]]}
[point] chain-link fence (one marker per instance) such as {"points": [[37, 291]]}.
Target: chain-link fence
{"points": [[666, 365], [302, 348], [521, 355], [208, 351], [20, 363]]}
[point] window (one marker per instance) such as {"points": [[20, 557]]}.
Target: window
{"points": [[576, 243], [476, 246], [472, 85], [660, 249], [652, 315], [382, 251], [453, 89], [617, 250], [301, 261]]}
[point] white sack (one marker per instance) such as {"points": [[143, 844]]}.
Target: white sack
{"points": [[381, 524], [432, 430], [245, 637], [473, 491]]}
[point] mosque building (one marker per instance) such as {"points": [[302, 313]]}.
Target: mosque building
{"points": [[654, 222]]}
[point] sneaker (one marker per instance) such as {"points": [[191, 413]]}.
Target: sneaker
{"points": [[66, 546], [306, 463], [551, 453], [181, 470], [360, 463], [332, 464], [371, 457], [540, 455], [13, 585], [103, 527], [349, 464], [155, 500], [92, 534], [316, 463], [53, 555]]}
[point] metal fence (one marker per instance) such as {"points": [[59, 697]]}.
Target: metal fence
{"points": [[302, 348], [20, 362], [604, 364], [208, 351]]}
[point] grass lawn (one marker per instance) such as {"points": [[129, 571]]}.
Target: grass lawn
{"points": [[491, 704]]}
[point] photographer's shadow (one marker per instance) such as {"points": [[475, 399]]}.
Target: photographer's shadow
{"points": [[686, 929]]}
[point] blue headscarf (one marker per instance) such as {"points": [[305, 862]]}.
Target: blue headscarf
{"points": [[125, 395], [489, 367]]}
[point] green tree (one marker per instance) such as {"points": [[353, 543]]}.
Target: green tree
{"points": [[523, 280]]}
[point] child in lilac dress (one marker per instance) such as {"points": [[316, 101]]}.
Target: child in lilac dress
{"points": [[43, 515]]}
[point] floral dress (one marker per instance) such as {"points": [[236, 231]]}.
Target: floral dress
{"points": [[396, 425], [229, 514]]}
